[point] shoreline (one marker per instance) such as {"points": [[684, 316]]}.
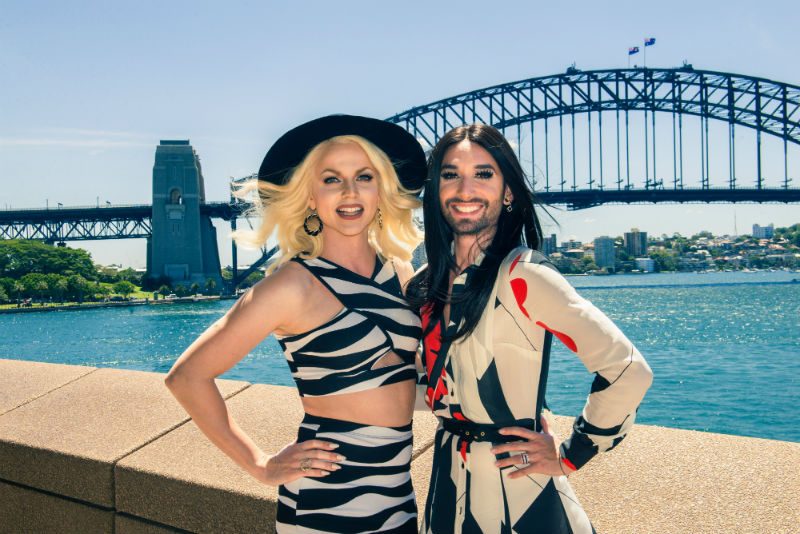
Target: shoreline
{"points": [[203, 298], [123, 304]]}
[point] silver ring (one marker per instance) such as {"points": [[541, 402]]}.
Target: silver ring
{"points": [[524, 457], [305, 465]]}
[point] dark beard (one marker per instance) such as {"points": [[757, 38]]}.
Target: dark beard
{"points": [[470, 227]]}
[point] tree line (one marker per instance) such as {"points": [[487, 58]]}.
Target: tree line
{"points": [[41, 272], [38, 271]]}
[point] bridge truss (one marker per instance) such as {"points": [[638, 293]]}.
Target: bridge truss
{"points": [[651, 135]]}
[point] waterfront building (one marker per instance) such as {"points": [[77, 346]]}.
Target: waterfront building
{"points": [[647, 265], [763, 232], [604, 254], [636, 242], [549, 245], [571, 244]]}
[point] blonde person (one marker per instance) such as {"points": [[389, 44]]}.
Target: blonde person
{"points": [[338, 192]]}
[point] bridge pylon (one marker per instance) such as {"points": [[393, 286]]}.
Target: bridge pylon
{"points": [[183, 245]]}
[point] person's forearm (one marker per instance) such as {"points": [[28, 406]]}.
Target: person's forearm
{"points": [[202, 401]]}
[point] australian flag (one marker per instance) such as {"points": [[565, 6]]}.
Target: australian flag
{"points": [[633, 50], [650, 41]]}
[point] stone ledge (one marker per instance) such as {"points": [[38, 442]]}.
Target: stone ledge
{"points": [[669, 480], [24, 381], [184, 481], [27, 510], [119, 440], [67, 441]]}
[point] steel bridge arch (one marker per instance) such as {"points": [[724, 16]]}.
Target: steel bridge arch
{"points": [[765, 105]]}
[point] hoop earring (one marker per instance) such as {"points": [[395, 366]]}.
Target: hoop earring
{"points": [[379, 216], [310, 216]]}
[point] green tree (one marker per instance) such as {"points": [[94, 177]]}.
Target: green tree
{"points": [[164, 290], [34, 284], [664, 261], [25, 257], [131, 276], [792, 234], [40, 290], [565, 265], [78, 288], [181, 290], [7, 284], [3, 295], [251, 280], [124, 288], [109, 275], [211, 285], [100, 291], [194, 289]]}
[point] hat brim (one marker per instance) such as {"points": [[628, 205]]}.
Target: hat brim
{"points": [[400, 146]]}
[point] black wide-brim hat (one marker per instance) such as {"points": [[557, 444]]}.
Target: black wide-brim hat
{"points": [[401, 147]]}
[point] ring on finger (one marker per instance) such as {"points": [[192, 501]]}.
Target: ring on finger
{"points": [[524, 457], [305, 465]]}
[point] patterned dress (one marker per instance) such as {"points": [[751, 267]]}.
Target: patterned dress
{"points": [[372, 492], [492, 377]]}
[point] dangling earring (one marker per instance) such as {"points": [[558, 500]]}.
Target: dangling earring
{"points": [[509, 207], [379, 216], [309, 231]]}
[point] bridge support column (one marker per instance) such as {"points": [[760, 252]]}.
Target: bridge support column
{"points": [[184, 243]]}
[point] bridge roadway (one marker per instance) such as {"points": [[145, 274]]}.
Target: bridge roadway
{"points": [[82, 223]]}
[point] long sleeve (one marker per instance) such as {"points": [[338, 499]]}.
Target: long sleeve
{"points": [[547, 301]]}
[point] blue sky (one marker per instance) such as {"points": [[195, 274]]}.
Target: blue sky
{"points": [[87, 89]]}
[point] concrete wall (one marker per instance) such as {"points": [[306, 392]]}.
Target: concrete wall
{"points": [[100, 450]]}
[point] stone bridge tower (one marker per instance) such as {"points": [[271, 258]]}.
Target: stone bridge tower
{"points": [[184, 242]]}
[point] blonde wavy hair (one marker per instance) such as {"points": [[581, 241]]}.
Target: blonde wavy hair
{"points": [[283, 209]]}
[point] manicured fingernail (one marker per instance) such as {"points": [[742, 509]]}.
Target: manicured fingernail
{"points": [[340, 458], [333, 445], [337, 466], [326, 473]]}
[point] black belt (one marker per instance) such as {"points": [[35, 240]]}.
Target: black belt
{"points": [[470, 431]]}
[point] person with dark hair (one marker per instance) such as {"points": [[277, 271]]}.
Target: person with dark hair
{"points": [[490, 305]]}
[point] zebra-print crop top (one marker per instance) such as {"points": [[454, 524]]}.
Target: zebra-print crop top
{"points": [[339, 356]]}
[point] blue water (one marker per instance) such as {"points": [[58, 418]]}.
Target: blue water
{"points": [[724, 347]]}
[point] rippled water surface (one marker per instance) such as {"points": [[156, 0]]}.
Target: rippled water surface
{"points": [[724, 347]]}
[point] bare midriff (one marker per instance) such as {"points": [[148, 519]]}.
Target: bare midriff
{"points": [[390, 405]]}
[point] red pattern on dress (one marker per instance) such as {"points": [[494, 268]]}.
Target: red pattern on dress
{"points": [[433, 344], [520, 288], [565, 339]]}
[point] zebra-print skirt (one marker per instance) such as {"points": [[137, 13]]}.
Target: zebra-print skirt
{"points": [[372, 492]]}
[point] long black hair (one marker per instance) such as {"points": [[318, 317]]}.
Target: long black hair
{"points": [[520, 226]]}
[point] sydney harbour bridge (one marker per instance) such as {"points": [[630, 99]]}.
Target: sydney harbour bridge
{"points": [[586, 138]]}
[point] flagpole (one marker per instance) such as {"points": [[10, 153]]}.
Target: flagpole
{"points": [[645, 52]]}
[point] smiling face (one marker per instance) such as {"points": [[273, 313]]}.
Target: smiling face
{"points": [[344, 190], [471, 190]]}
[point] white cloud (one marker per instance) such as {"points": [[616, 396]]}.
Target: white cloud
{"points": [[78, 138], [70, 143]]}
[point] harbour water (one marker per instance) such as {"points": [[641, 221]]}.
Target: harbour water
{"points": [[724, 347]]}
